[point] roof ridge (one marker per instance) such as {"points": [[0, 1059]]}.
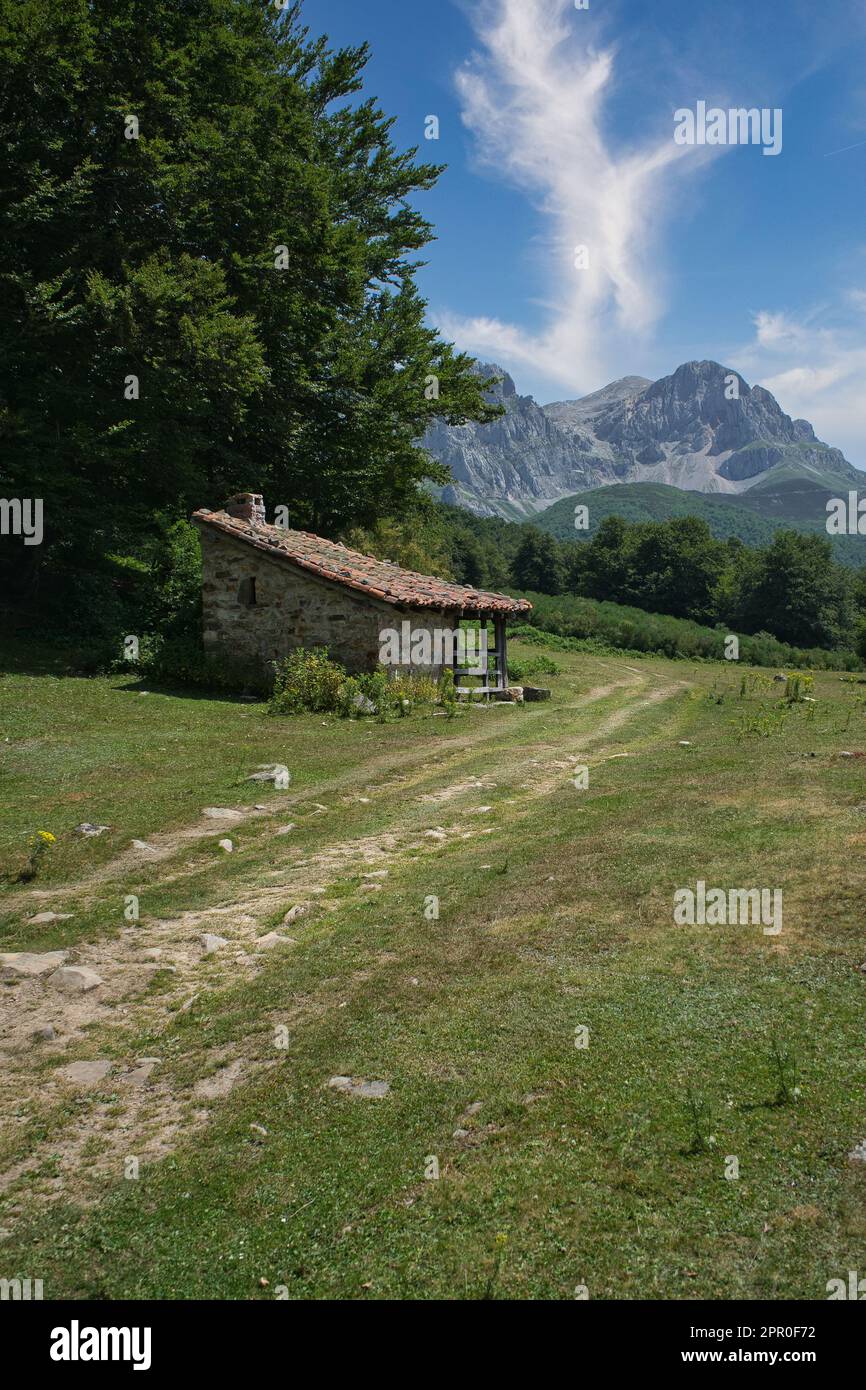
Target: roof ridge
{"points": [[395, 584]]}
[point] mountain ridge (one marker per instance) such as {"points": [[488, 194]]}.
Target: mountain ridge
{"points": [[700, 429]]}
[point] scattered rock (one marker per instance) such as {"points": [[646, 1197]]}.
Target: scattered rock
{"points": [[140, 1075], [23, 965], [211, 942], [142, 844], [299, 910], [376, 873], [473, 1108], [76, 979], [226, 845], [46, 1034], [221, 813], [86, 828], [277, 773], [480, 810], [49, 917], [363, 704], [260, 1129], [858, 1153], [435, 834], [356, 1086], [536, 692], [84, 1073], [286, 829], [153, 953], [460, 1134], [513, 695], [685, 743], [259, 807], [273, 938]]}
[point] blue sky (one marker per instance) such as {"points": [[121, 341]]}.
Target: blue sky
{"points": [[557, 126]]}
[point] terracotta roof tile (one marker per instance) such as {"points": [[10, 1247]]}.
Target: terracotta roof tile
{"points": [[364, 573]]}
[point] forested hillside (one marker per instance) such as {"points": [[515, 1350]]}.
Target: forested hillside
{"points": [[776, 501]]}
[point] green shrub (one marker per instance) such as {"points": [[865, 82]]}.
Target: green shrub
{"points": [[310, 681], [520, 671], [307, 680], [575, 623], [448, 693]]}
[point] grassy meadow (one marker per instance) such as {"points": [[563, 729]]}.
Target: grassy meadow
{"points": [[469, 917]]}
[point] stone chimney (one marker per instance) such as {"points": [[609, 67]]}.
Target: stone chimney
{"points": [[248, 506]]}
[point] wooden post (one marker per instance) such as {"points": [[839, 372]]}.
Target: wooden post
{"points": [[501, 651]]}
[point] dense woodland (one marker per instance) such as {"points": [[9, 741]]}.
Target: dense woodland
{"points": [[792, 588], [207, 269]]}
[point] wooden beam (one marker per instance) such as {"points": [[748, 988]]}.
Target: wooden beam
{"points": [[499, 624]]}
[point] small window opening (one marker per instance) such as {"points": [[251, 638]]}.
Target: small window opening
{"points": [[247, 593]]}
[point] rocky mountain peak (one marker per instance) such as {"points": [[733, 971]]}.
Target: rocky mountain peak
{"points": [[690, 429]]}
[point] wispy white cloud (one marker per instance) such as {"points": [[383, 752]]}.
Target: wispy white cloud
{"points": [[815, 365], [534, 98]]}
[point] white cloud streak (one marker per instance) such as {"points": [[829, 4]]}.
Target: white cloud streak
{"points": [[534, 99]]}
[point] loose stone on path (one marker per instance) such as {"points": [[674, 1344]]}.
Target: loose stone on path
{"points": [[24, 965], [75, 979], [357, 1086], [84, 1073], [211, 942]]}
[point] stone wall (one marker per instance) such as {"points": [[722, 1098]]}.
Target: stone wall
{"points": [[292, 609]]}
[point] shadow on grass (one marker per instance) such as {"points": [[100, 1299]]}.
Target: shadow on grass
{"points": [[64, 662]]}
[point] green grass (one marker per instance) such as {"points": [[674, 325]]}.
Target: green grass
{"points": [[580, 1167]]}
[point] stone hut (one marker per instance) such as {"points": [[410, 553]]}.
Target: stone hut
{"points": [[268, 591]]}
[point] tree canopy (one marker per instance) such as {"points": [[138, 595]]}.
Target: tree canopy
{"points": [[207, 259]]}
